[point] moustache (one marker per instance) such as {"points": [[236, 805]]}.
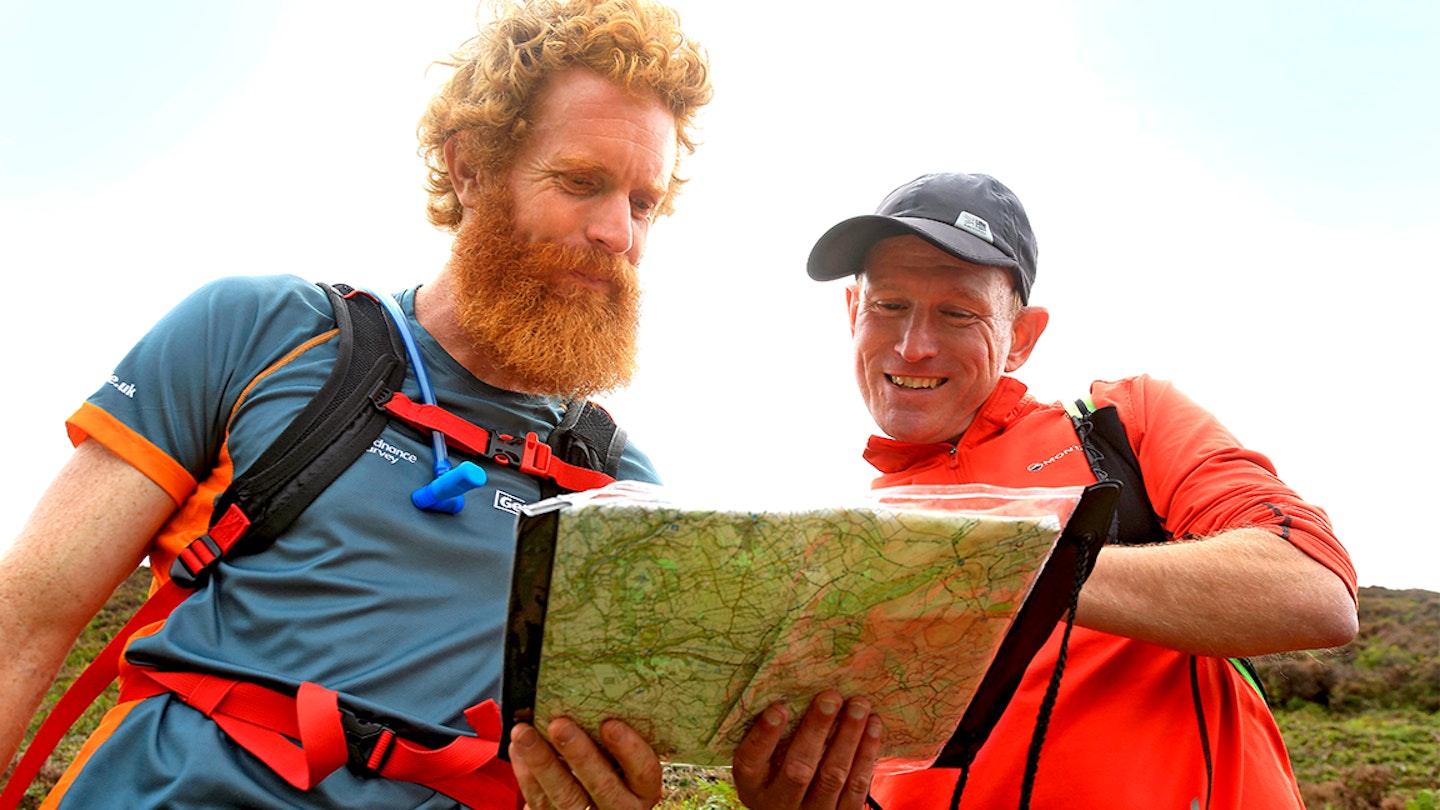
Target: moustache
{"points": [[597, 267]]}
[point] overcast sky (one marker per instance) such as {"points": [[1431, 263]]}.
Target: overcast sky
{"points": [[1229, 195]]}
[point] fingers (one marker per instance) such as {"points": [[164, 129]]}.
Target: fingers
{"points": [[822, 758], [862, 768], [750, 765], [807, 746], [828, 762], [595, 772], [544, 780], [575, 774], [638, 763]]}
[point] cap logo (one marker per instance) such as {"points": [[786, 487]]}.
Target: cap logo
{"points": [[976, 225]]}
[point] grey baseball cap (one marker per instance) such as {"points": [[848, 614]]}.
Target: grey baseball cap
{"points": [[973, 217]]}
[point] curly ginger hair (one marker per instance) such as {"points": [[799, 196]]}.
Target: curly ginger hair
{"points": [[637, 44]]}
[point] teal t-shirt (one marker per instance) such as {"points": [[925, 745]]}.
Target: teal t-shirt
{"points": [[401, 611]]}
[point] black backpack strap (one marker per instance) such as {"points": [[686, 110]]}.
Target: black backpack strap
{"points": [[1052, 596], [588, 437], [336, 427], [340, 422], [1103, 438]]}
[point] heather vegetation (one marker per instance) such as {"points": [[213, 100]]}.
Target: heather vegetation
{"points": [[1362, 721]]}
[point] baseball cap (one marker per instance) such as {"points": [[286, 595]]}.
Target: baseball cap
{"points": [[973, 217]]}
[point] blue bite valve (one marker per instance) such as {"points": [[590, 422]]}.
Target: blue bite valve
{"points": [[447, 492]]}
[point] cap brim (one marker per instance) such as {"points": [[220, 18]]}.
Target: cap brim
{"points": [[841, 251]]}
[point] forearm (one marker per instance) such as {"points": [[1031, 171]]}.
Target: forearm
{"points": [[1241, 592], [42, 611], [26, 672], [88, 533]]}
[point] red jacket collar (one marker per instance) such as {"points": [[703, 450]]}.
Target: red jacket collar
{"points": [[1004, 405]]}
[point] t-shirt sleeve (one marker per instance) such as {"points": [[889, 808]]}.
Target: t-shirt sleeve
{"points": [[636, 466], [1201, 481], [165, 407]]}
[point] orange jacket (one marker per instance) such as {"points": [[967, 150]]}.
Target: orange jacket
{"points": [[1124, 732]]}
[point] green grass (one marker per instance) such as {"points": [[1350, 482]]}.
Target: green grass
{"points": [[1359, 761], [688, 788]]}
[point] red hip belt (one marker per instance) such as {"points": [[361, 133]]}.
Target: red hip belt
{"points": [[307, 736]]}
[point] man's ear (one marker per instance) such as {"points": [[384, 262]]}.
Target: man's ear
{"points": [[1025, 331], [852, 302], [463, 177]]}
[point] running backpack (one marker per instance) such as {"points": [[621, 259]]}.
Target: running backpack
{"points": [[347, 413], [1102, 436]]}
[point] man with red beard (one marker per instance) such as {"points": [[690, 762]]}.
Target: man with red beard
{"points": [[370, 626]]}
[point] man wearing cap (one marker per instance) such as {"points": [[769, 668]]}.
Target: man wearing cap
{"points": [[1150, 712]]}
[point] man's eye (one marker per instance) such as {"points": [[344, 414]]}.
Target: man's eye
{"points": [[578, 184]]}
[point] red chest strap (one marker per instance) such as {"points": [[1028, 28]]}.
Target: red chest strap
{"points": [[527, 454]]}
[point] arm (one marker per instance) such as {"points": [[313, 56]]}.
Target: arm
{"points": [[89, 532], [1259, 569], [1239, 592]]}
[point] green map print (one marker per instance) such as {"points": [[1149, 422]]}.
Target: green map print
{"points": [[687, 623]]}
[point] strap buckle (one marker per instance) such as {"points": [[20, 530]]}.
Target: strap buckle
{"points": [[192, 566], [367, 743], [528, 454]]}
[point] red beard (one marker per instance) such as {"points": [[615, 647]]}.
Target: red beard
{"points": [[521, 303]]}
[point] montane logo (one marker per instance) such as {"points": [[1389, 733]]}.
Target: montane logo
{"points": [[1040, 465]]}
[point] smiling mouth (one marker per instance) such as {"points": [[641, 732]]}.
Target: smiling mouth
{"points": [[916, 383]]}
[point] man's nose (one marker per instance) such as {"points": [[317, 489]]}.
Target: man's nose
{"points": [[611, 227], [917, 342]]}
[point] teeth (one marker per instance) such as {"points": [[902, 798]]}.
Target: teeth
{"points": [[917, 382]]}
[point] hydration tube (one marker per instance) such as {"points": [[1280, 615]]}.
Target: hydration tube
{"points": [[447, 492]]}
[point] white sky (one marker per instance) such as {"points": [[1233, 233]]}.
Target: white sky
{"points": [[1231, 195]]}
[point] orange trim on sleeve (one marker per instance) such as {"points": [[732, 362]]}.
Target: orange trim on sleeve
{"points": [[93, 422], [191, 520]]}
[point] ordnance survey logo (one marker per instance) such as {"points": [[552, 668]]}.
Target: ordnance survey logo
{"points": [[390, 452]]}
